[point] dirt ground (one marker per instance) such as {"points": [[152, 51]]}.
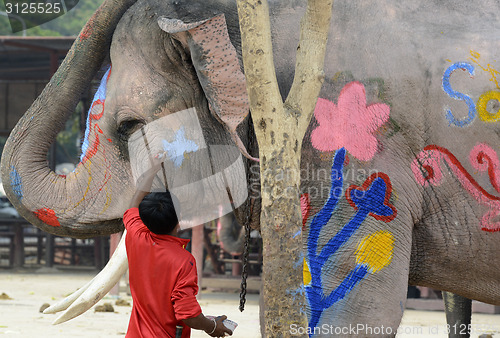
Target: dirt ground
{"points": [[20, 316]]}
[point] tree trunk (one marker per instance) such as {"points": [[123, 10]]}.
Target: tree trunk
{"points": [[280, 128]]}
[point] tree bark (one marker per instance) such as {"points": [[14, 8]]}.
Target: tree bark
{"points": [[280, 128]]}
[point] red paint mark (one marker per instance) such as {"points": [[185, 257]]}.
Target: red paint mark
{"points": [[97, 109], [95, 114], [484, 158], [350, 124], [48, 216], [95, 144], [305, 207], [86, 31], [427, 171], [388, 192]]}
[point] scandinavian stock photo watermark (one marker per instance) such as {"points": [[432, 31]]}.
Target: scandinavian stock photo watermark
{"points": [[316, 182], [365, 330], [25, 14]]}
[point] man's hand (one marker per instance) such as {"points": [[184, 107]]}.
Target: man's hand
{"points": [[201, 322], [145, 181], [220, 328]]}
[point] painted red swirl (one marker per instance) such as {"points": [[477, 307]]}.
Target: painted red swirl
{"points": [[427, 171]]}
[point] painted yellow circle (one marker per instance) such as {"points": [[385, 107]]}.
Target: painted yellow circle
{"points": [[306, 274], [483, 100], [375, 250]]}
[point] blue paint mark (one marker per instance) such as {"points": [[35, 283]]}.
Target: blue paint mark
{"points": [[298, 263], [324, 215], [299, 291], [16, 183], [100, 94], [459, 96], [179, 147], [297, 233], [349, 282], [368, 202]]}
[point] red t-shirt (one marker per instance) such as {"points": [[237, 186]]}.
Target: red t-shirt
{"points": [[163, 281]]}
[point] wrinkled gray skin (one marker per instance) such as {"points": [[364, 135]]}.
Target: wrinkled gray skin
{"points": [[399, 51]]}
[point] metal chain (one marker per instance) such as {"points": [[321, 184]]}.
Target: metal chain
{"points": [[244, 272]]}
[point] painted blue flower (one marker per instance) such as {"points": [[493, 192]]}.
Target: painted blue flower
{"points": [[181, 146], [370, 199]]}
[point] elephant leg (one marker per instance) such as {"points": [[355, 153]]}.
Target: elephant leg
{"points": [[458, 314]]}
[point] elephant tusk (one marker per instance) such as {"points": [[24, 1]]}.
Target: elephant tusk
{"points": [[87, 296], [63, 304]]}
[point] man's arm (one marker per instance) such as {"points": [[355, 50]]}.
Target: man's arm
{"points": [[145, 182], [137, 198], [214, 329]]}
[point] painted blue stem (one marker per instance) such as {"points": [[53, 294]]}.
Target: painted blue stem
{"points": [[324, 215], [349, 282], [355, 276]]}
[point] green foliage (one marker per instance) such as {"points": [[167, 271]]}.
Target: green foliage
{"points": [[68, 149], [66, 25]]}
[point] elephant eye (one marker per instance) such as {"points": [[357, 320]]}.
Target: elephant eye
{"points": [[128, 127]]}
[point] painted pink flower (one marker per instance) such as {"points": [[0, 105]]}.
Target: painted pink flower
{"points": [[350, 124]]}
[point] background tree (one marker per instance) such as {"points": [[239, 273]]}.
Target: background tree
{"points": [[280, 127]]}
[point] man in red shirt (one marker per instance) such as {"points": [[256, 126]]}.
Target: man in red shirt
{"points": [[162, 273]]}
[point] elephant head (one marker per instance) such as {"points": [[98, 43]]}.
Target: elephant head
{"points": [[164, 61]]}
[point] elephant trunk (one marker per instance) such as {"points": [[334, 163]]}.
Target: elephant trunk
{"points": [[58, 204]]}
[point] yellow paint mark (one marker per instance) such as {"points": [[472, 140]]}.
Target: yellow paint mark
{"points": [[482, 103], [108, 200], [326, 156], [306, 273], [475, 54], [375, 250], [395, 194], [493, 72], [88, 185]]}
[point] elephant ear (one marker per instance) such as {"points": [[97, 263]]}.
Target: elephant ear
{"points": [[216, 62]]}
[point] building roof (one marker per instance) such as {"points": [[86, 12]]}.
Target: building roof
{"points": [[32, 58]]}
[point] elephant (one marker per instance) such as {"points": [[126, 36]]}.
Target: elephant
{"points": [[231, 235], [399, 169]]}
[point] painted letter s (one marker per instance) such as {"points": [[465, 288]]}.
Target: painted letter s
{"points": [[457, 95]]}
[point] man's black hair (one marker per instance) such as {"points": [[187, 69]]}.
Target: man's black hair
{"points": [[158, 213]]}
